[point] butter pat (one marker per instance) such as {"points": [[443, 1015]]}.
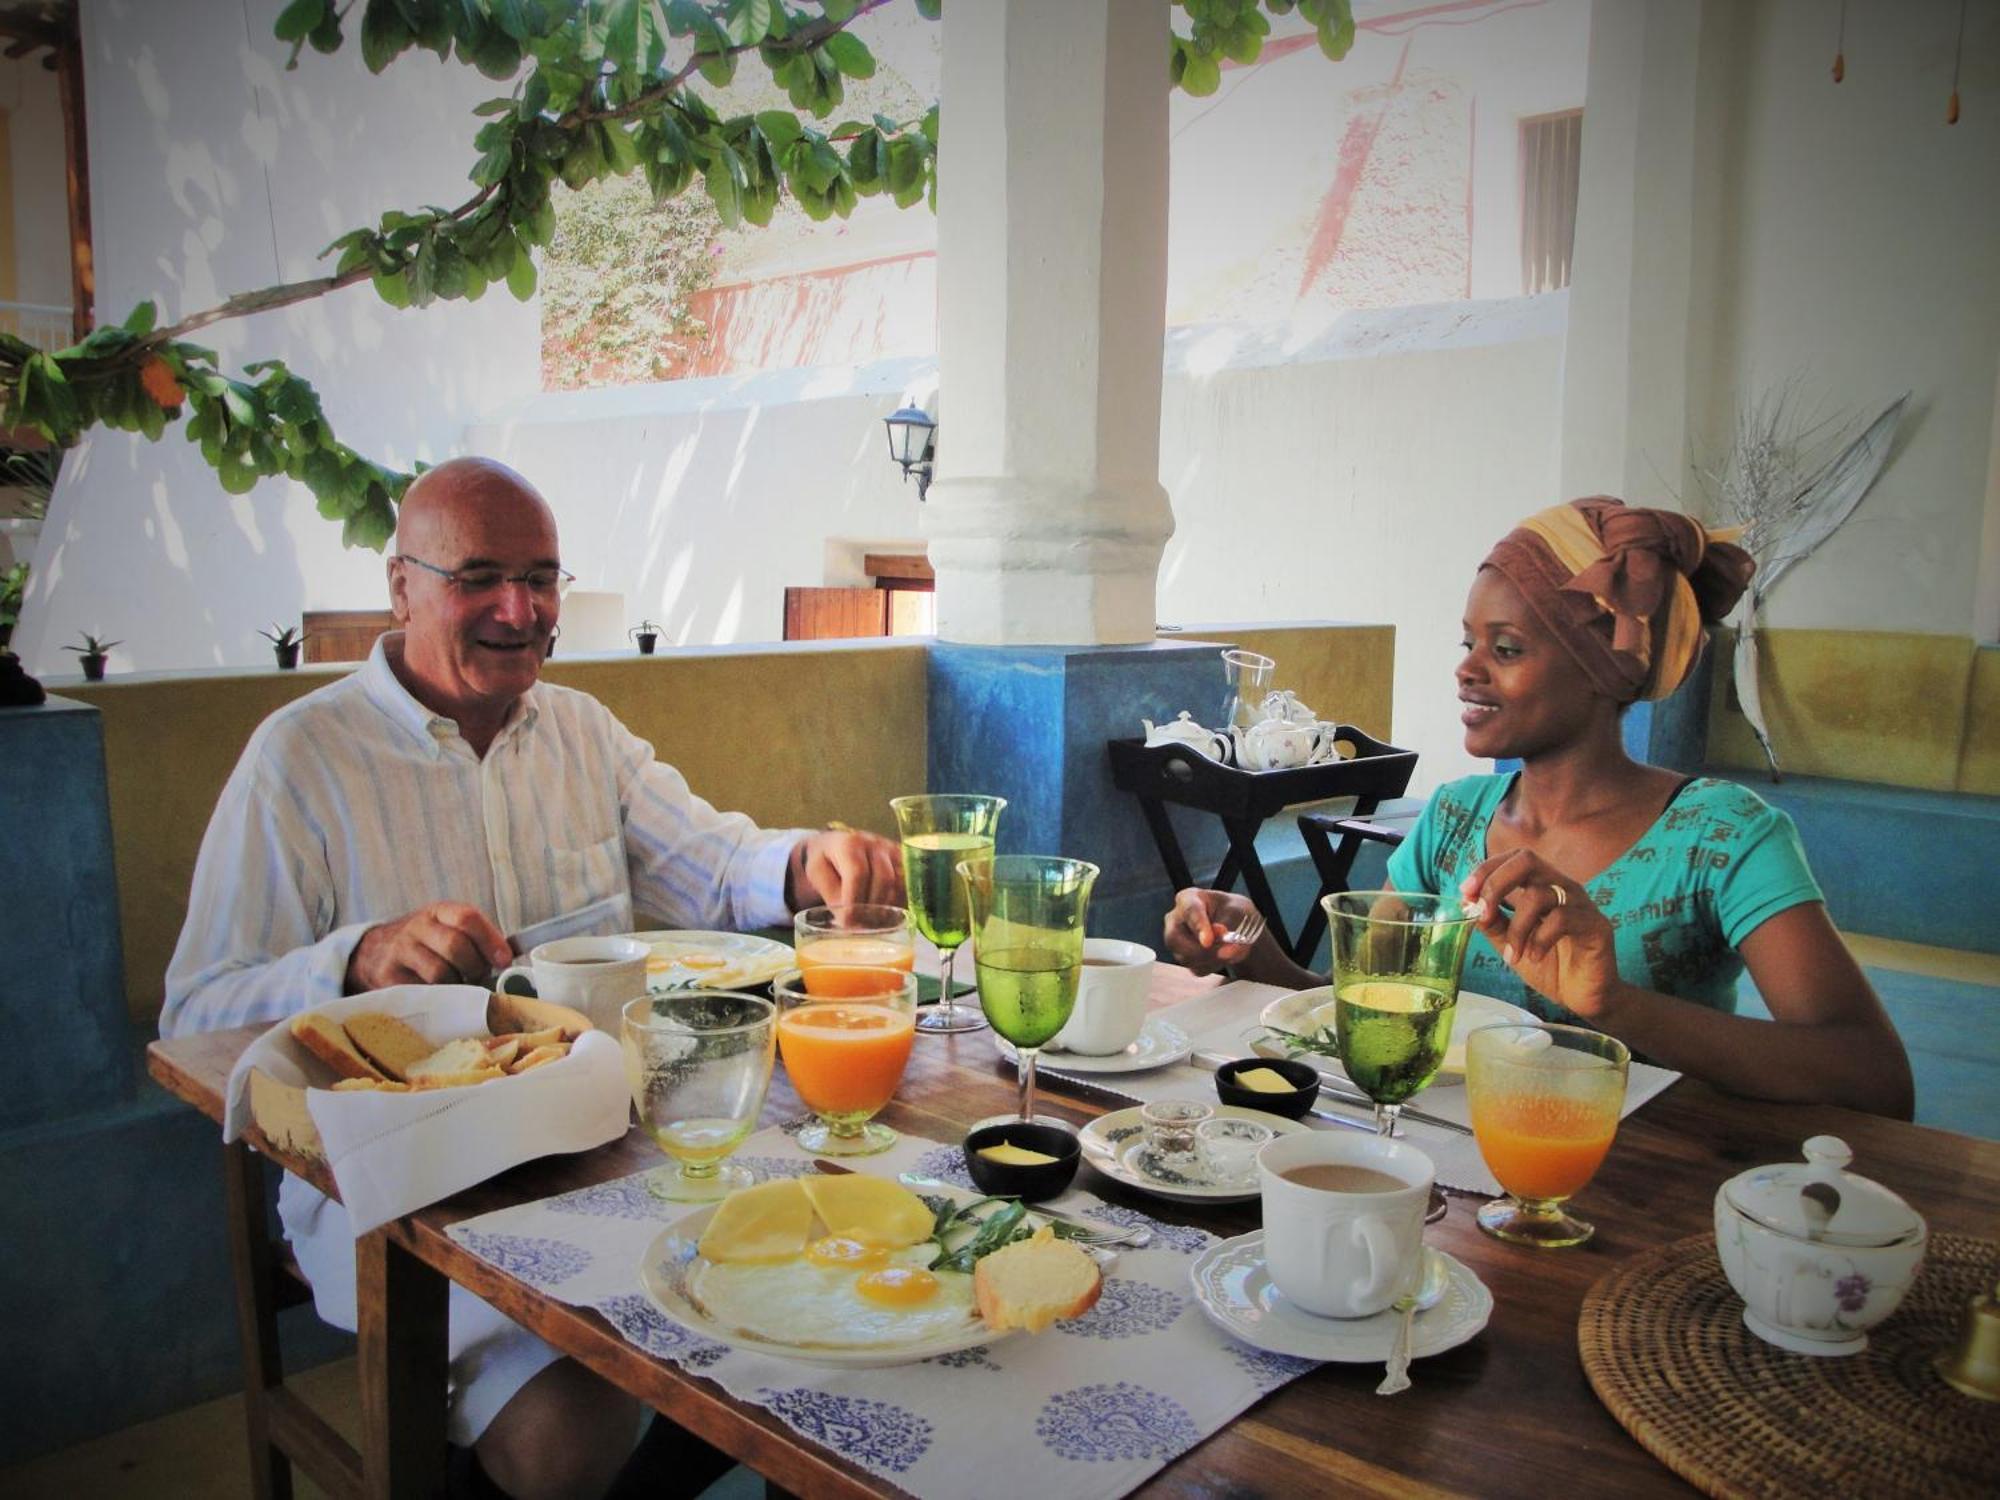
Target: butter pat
{"points": [[1265, 1081], [1019, 1156]]}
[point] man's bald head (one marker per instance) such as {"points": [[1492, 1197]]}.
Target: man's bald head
{"points": [[439, 499], [471, 537]]}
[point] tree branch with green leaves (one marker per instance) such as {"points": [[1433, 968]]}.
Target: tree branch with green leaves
{"points": [[600, 88]]}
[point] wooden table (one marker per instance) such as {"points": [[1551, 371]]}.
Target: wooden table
{"points": [[1510, 1413]]}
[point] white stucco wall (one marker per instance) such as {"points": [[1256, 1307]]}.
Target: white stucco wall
{"points": [[1362, 478], [214, 171], [35, 163], [1859, 249]]}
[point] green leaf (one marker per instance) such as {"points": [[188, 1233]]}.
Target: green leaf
{"points": [[384, 34], [779, 128], [840, 12], [930, 10], [297, 20], [326, 36], [1202, 76], [725, 191], [851, 55], [393, 287], [749, 21], [521, 277]]}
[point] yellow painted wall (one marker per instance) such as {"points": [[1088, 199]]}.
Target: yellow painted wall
{"points": [[1344, 672], [790, 736], [1863, 705]]}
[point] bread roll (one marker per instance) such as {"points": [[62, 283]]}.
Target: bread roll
{"points": [[1033, 1282]]}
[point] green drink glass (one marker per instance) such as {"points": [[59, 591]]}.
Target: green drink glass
{"points": [[938, 831], [1027, 915], [1396, 962]]}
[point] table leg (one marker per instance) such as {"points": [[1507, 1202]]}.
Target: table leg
{"points": [[1333, 865], [256, 1316], [401, 1354], [1168, 842], [1243, 852]]}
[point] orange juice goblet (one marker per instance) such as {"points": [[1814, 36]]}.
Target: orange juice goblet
{"points": [[848, 937], [845, 1032], [1545, 1103]]}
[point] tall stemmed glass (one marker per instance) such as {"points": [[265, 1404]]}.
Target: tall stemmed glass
{"points": [[1396, 961], [1545, 1104], [938, 830], [1027, 929], [699, 1064]]}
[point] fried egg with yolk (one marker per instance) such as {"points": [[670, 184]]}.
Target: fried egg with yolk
{"points": [[839, 1294]]}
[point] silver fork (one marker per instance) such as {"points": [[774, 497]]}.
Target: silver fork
{"points": [[1247, 931]]}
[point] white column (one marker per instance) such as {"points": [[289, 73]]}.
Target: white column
{"points": [[1047, 518], [1633, 307]]}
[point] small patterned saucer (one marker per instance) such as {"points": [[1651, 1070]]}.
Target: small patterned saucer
{"points": [[1237, 1293], [1115, 1145]]}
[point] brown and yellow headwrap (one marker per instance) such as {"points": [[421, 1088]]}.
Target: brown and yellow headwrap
{"points": [[1624, 588]]}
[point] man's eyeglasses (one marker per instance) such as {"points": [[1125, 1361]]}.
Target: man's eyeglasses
{"points": [[473, 583]]}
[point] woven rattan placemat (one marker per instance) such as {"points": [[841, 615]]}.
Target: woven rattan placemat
{"points": [[1663, 1342]]}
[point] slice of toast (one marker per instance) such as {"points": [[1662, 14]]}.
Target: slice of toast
{"points": [[465, 1055], [377, 1085], [548, 1053], [390, 1044], [501, 1051], [325, 1040]]}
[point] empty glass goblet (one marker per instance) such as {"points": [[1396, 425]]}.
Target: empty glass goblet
{"points": [[699, 1064]]}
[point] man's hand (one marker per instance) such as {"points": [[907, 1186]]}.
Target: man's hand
{"points": [[841, 867], [446, 942]]}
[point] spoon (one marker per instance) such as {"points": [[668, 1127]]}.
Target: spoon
{"points": [[1427, 1294]]}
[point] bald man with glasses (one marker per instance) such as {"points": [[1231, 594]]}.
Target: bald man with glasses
{"points": [[394, 826]]}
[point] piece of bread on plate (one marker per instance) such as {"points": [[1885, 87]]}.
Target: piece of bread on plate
{"points": [[390, 1044], [465, 1055], [1034, 1282], [325, 1040]]}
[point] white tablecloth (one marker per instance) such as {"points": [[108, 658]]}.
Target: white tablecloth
{"points": [[1083, 1411]]}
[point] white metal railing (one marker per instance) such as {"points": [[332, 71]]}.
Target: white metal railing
{"points": [[39, 323]]}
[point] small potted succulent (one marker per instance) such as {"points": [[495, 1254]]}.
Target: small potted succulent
{"points": [[285, 641], [94, 653], [647, 634]]}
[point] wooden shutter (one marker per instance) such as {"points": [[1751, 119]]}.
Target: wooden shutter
{"points": [[835, 614], [1551, 147]]}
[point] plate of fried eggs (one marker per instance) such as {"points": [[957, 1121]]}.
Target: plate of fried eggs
{"points": [[712, 960], [832, 1270]]}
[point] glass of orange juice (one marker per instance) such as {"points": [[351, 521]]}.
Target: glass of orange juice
{"points": [[1545, 1104], [845, 937], [845, 1031]]}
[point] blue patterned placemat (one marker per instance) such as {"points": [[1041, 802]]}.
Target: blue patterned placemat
{"points": [[1087, 1409]]}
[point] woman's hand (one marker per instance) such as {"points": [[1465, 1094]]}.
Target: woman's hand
{"points": [[1196, 924], [1555, 937]]}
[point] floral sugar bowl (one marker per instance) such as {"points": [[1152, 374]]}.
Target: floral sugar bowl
{"points": [[1817, 1254]]}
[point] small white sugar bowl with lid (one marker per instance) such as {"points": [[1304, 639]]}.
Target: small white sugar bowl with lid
{"points": [[1818, 1254]]}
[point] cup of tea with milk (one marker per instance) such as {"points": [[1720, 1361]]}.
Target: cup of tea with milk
{"points": [[1343, 1220]]}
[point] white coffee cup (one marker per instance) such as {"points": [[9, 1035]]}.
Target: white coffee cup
{"points": [[595, 975], [1338, 1252], [1110, 998]]}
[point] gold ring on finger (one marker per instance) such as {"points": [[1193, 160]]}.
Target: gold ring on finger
{"points": [[1562, 896]]}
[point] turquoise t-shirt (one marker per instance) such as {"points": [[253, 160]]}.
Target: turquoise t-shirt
{"points": [[1717, 863]]}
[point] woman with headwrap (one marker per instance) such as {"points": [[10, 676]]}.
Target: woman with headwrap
{"points": [[1611, 893]]}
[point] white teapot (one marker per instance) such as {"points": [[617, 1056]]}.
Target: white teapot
{"points": [[1818, 1256], [1184, 731], [1275, 745]]}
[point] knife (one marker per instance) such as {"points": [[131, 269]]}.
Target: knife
{"points": [[1346, 1093]]}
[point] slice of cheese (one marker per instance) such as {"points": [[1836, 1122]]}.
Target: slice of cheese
{"points": [[1015, 1156], [870, 1209], [767, 1222], [1265, 1081]]}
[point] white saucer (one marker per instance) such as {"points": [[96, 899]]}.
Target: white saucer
{"points": [[1236, 1292], [1159, 1044], [1111, 1140]]}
